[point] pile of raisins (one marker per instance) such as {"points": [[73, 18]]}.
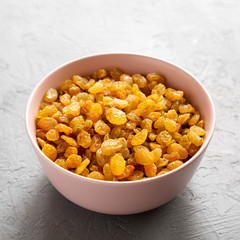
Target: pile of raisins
{"points": [[116, 127]]}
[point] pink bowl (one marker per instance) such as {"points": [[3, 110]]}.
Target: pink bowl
{"points": [[122, 197]]}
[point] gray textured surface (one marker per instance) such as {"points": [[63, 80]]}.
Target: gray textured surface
{"points": [[202, 36]]}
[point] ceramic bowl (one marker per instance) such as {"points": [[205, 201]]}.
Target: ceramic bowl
{"points": [[122, 197]]}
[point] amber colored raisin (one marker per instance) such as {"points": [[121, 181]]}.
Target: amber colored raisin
{"points": [[117, 164], [47, 123], [70, 150], [159, 122], [73, 109], [173, 165], [62, 163], [200, 123], [101, 159], [140, 80], [63, 128], [140, 137], [170, 125], [171, 156], [111, 146], [157, 152], [51, 95], [82, 166], [144, 157], [192, 150], [175, 147], [101, 127], [150, 170], [159, 89], [116, 73], [154, 146], [71, 141], [52, 135], [96, 175], [162, 162], [152, 136], [84, 139], [136, 175], [155, 77], [126, 78], [65, 99], [50, 151], [173, 95], [115, 132], [96, 88], [164, 138], [163, 171], [101, 73], [41, 142], [182, 118], [40, 134], [127, 172], [76, 121], [198, 130], [188, 108], [194, 119], [194, 138], [96, 143], [116, 116], [73, 160], [108, 175]]}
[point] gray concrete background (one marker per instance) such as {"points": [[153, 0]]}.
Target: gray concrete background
{"points": [[201, 36]]}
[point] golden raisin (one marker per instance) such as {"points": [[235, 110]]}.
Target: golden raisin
{"points": [[116, 116], [62, 163], [101, 127], [47, 123], [52, 135], [173, 165], [82, 166], [117, 164], [70, 150], [111, 146], [175, 147], [150, 170], [136, 175], [127, 172], [96, 175], [50, 151], [140, 137], [144, 157], [63, 128], [84, 139], [73, 160], [51, 95]]}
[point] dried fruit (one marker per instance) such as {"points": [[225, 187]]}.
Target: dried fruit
{"points": [[117, 164], [111, 146], [51, 95], [96, 175], [175, 147], [116, 127], [47, 123], [73, 161], [116, 116], [101, 127], [143, 156], [52, 135], [140, 137], [84, 139], [50, 151]]}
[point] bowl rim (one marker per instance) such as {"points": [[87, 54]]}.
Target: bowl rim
{"points": [[118, 183]]}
